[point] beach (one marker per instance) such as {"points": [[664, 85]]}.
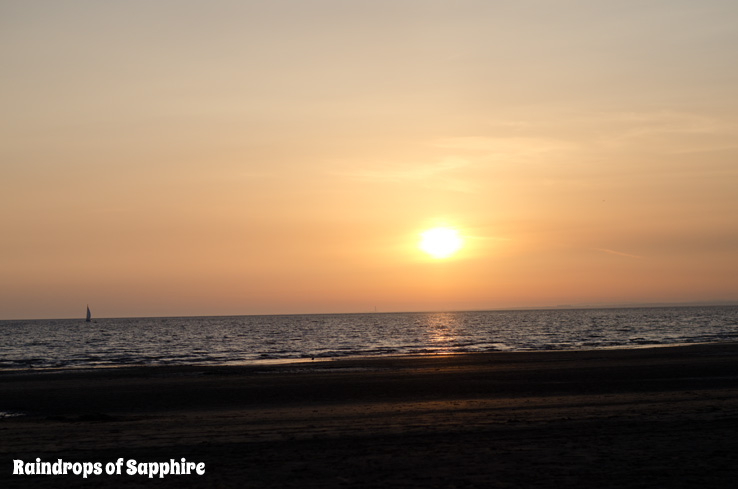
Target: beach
{"points": [[651, 417]]}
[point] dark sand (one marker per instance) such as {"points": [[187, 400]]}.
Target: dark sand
{"points": [[655, 418]]}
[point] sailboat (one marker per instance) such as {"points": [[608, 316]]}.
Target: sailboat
{"points": [[89, 316]]}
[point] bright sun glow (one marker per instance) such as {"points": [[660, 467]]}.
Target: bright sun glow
{"points": [[440, 242]]}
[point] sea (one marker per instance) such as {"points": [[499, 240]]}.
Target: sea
{"points": [[244, 340]]}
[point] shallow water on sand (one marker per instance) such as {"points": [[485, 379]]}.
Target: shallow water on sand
{"points": [[71, 343]]}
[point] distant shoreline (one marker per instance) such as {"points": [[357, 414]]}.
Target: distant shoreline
{"points": [[298, 362], [383, 362]]}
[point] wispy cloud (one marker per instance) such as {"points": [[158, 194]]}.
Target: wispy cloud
{"points": [[461, 164], [438, 174], [519, 148], [618, 253], [680, 132]]}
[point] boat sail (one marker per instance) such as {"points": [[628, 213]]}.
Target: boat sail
{"points": [[89, 316]]}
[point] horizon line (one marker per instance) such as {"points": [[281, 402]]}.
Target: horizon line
{"points": [[594, 305]]}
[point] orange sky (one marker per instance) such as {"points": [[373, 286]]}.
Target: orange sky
{"points": [[248, 157]]}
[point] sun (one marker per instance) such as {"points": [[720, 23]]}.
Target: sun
{"points": [[440, 242]]}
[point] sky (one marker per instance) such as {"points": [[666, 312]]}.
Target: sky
{"points": [[220, 157]]}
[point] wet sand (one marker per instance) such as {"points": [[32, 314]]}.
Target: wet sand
{"points": [[660, 417]]}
